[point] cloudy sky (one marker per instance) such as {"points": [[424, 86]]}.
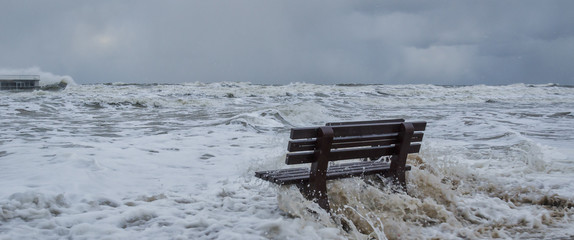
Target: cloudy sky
{"points": [[278, 42]]}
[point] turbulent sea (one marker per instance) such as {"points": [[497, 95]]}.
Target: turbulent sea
{"points": [[126, 161]]}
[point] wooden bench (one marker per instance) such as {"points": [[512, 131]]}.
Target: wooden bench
{"points": [[366, 140]]}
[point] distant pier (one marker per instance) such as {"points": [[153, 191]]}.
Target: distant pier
{"points": [[19, 82]]}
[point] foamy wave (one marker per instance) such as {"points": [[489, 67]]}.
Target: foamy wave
{"points": [[29, 206], [177, 161], [46, 78], [442, 202]]}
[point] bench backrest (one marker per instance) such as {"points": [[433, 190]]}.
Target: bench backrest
{"points": [[352, 140]]}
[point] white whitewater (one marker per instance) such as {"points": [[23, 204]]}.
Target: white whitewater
{"points": [[122, 161]]}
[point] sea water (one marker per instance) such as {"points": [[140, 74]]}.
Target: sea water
{"points": [[129, 161]]}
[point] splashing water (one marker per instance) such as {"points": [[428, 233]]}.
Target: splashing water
{"points": [[177, 161]]}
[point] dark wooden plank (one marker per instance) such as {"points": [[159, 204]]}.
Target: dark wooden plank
{"points": [[306, 132], [334, 169], [364, 122], [264, 174], [372, 152], [342, 154], [304, 176], [419, 126], [417, 137], [303, 173], [372, 129], [348, 130], [355, 130], [290, 177], [301, 145], [335, 172], [375, 140], [272, 176]]}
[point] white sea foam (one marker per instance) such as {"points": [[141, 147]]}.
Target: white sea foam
{"points": [[125, 161]]}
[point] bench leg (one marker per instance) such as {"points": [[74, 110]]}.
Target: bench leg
{"points": [[317, 188], [399, 179], [316, 194], [398, 162]]}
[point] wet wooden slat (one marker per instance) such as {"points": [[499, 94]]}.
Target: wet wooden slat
{"points": [[342, 154], [375, 140], [364, 122], [301, 175], [355, 130]]}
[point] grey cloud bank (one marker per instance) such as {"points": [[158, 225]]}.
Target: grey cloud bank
{"points": [[278, 42]]}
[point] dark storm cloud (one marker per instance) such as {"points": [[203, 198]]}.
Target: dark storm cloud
{"points": [[390, 42]]}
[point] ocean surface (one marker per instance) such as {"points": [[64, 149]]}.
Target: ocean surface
{"points": [[129, 161]]}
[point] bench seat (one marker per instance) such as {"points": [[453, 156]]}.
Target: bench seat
{"points": [[301, 175]]}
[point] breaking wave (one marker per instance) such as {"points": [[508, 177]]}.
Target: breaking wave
{"points": [[46, 78]]}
